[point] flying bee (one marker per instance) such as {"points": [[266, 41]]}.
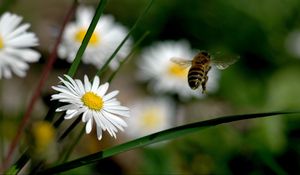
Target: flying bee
{"points": [[200, 66]]}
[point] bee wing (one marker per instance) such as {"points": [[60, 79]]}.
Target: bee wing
{"points": [[184, 63], [222, 61]]}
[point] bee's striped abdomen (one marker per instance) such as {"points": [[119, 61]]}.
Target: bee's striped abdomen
{"points": [[195, 76]]}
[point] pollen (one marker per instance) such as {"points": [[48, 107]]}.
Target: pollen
{"points": [[151, 118], [94, 40], [177, 71], [92, 101], [1, 43]]}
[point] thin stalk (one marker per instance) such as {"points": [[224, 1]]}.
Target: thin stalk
{"points": [[72, 146], [69, 129], [87, 37], [46, 70], [105, 66], [157, 137], [128, 56]]}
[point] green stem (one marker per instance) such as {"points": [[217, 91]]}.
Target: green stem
{"points": [[72, 146], [128, 56], [156, 137], [69, 129], [86, 38], [105, 66]]}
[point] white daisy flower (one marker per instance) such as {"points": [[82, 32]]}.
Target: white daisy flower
{"points": [[106, 37], [166, 76], [149, 116], [89, 99], [14, 46]]}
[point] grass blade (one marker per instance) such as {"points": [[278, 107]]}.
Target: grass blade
{"points": [[86, 38], [157, 137], [128, 56], [105, 66]]}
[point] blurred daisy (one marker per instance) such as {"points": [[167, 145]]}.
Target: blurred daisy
{"points": [[14, 46], [89, 99], [106, 37], [41, 137], [149, 116], [166, 76]]}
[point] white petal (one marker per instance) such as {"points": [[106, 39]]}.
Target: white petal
{"points": [[96, 83], [86, 116], [102, 89], [110, 95], [114, 118], [27, 55], [22, 28], [110, 127], [65, 91], [118, 112], [71, 115], [87, 84], [80, 85], [99, 132], [98, 121], [117, 107], [67, 107], [24, 40], [89, 125]]}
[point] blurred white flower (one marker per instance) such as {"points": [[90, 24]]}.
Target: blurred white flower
{"points": [[149, 116], [89, 99], [14, 46], [106, 37], [166, 76], [292, 43]]}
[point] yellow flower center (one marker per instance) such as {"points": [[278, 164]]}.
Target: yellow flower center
{"points": [[151, 118], [1, 43], [94, 40], [177, 71], [92, 101]]}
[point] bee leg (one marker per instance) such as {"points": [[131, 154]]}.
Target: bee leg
{"points": [[208, 68], [203, 84], [204, 81]]}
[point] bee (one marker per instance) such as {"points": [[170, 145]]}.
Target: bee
{"points": [[200, 66]]}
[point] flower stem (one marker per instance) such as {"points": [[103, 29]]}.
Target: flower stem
{"points": [[69, 129], [86, 38], [128, 56], [46, 70], [105, 66], [72, 145]]}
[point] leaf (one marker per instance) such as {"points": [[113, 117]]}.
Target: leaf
{"points": [[168, 134]]}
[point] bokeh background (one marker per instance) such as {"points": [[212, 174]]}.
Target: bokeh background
{"points": [[265, 78]]}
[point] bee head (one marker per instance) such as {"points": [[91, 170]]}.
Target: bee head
{"points": [[205, 53]]}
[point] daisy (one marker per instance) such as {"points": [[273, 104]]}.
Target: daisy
{"points": [[166, 76], [91, 100], [149, 116], [106, 37], [14, 46]]}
